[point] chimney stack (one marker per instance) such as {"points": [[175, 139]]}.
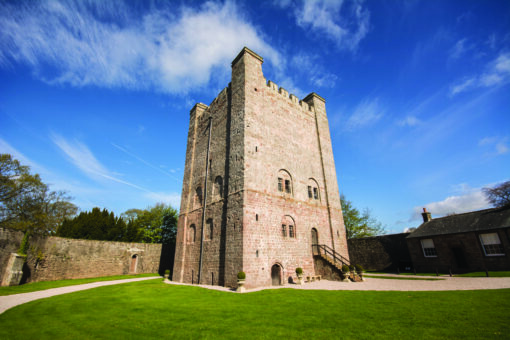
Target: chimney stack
{"points": [[426, 215]]}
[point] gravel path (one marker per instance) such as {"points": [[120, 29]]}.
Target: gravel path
{"points": [[10, 301], [448, 283]]}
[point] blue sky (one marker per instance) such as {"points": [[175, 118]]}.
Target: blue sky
{"points": [[95, 96]]}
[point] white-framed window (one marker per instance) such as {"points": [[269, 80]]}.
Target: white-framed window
{"points": [[491, 244], [429, 250]]}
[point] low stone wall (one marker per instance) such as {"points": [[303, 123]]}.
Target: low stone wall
{"points": [[381, 253], [55, 258]]}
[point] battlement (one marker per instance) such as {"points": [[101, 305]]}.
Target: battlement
{"points": [[295, 100]]}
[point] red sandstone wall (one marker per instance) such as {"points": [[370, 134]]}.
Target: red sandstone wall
{"points": [[257, 131]]}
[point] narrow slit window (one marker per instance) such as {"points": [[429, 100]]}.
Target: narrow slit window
{"points": [[287, 186], [291, 231], [315, 193], [280, 184], [309, 191], [284, 230]]}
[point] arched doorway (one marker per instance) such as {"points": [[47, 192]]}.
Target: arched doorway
{"points": [[134, 262], [315, 241], [276, 275]]}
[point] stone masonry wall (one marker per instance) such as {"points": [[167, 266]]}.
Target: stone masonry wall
{"points": [[470, 255], [55, 258], [382, 253], [257, 131]]}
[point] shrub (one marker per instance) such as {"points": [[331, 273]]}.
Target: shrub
{"points": [[359, 268], [345, 268], [167, 272], [241, 275], [351, 267], [299, 271]]}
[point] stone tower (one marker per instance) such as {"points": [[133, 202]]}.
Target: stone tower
{"points": [[259, 185]]}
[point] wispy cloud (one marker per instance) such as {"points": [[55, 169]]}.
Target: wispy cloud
{"points": [[144, 161], [173, 198], [469, 201], [311, 66], [500, 144], [460, 48], [366, 113], [409, 121], [344, 22], [110, 44], [496, 73], [81, 156]]}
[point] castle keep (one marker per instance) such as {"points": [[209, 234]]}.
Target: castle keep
{"points": [[259, 185]]}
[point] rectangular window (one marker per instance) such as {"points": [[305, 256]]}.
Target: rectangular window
{"points": [[429, 250], [287, 186], [291, 231], [315, 193], [280, 184], [309, 192], [284, 230], [491, 244]]}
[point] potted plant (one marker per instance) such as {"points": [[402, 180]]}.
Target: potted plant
{"points": [[167, 274], [345, 273], [359, 270], [241, 277], [299, 273]]}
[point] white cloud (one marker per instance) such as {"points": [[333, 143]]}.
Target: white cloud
{"points": [[173, 198], [109, 44], [80, 155], [366, 113], [496, 73], [409, 121], [344, 22], [310, 67], [470, 201], [500, 144], [460, 48]]}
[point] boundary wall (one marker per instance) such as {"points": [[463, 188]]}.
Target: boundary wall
{"points": [[56, 258]]}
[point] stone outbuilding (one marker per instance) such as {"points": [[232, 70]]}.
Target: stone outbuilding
{"points": [[473, 241]]}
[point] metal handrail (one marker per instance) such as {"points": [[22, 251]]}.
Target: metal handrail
{"points": [[320, 249]]}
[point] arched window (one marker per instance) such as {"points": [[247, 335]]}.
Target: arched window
{"points": [[191, 233], [313, 190], [285, 182], [198, 197], [209, 229], [288, 227], [218, 187]]}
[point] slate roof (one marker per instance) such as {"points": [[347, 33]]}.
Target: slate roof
{"points": [[472, 221]]}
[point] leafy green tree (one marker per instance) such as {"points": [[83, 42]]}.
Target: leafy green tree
{"points": [[157, 224], [26, 203], [359, 224]]}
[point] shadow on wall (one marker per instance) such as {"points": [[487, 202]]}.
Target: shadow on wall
{"points": [[166, 260]]}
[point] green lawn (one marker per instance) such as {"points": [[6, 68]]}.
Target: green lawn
{"points": [[32, 287], [152, 309]]}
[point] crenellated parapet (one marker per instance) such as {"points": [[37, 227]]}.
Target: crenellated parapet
{"points": [[305, 104]]}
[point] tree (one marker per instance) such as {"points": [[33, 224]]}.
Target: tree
{"points": [[97, 225], [157, 224], [26, 203], [359, 224], [498, 196]]}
